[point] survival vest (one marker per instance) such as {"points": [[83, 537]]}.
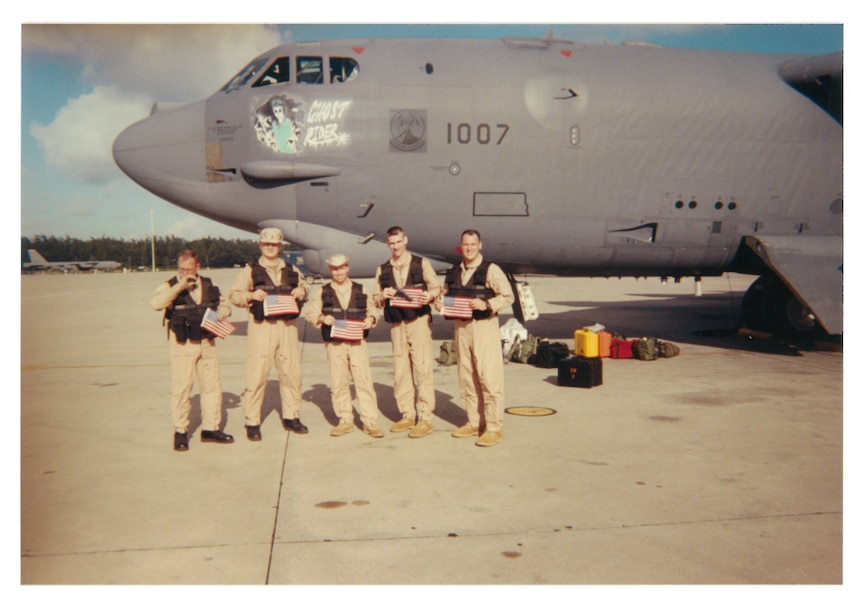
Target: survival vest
{"points": [[414, 279], [260, 280], [184, 315], [474, 289], [357, 309]]}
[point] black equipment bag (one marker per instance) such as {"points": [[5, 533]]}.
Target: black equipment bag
{"points": [[580, 372]]}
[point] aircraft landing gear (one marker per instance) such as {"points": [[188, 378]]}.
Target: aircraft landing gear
{"points": [[769, 306]]}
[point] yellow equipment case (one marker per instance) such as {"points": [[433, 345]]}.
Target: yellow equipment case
{"points": [[586, 343]]}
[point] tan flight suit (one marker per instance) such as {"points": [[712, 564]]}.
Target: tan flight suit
{"points": [[347, 360], [413, 352], [270, 341], [480, 353], [189, 359]]}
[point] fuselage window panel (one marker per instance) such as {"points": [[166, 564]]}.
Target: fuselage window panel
{"points": [[342, 69], [277, 73], [309, 70], [244, 75]]}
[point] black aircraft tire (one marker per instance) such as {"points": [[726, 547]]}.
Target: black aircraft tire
{"points": [[769, 306], [765, 304]]}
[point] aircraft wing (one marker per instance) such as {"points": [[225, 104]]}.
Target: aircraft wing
{"points": [[812, 268], [107, 265], [820, 78], [812, 68]]}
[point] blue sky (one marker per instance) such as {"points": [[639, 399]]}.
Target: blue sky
{"points": [[82, 84]]}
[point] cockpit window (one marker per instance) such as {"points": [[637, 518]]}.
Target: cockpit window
{"points": [[277, 73], [244, 75], [342, 69], [309, 70]]}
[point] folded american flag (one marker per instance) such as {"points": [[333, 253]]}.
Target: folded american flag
{"points": [[221, 328], [412, 301], [277, 304], [348, 330], [457, 307]]}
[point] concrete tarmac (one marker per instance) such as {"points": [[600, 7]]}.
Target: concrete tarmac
{"points": [[722, 465]]}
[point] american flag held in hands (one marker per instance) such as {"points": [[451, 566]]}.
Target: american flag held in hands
{"points": [[412, 301], [457, 307], [277, 304], [221, 328], [348, 330]]}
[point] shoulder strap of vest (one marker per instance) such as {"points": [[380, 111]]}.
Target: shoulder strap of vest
{"points": [[481, 273], [292, 276], [169, 310], [453, 275], [386, 275], [415, 271], [258, 275], [328, 298], [210, 293]]}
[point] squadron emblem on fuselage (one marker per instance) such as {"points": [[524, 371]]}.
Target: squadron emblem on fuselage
{"points": [[408, 131]]}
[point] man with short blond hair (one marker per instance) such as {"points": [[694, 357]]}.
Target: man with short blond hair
{"points": [[406, 285], [478, 346]]}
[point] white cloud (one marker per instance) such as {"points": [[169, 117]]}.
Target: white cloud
{"points": [[131, 67], [173, 63], [79, 140]]}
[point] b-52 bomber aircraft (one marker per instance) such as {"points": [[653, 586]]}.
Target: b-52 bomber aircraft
{"points": [[39, 263], [570, 158]]}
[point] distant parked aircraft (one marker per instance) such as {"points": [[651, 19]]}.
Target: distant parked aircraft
{"points": [[39, 263]]}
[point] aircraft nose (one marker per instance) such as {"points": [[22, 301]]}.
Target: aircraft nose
{"points": [[165, 148]]}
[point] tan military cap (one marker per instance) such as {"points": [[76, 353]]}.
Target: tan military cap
{"points": [[337, 260], [271, 235]]}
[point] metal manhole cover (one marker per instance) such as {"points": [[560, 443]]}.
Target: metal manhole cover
{"points": [[530, 411]]}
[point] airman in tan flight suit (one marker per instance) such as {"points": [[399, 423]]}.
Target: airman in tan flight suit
{"points": [[411, 331], [272, 339], [348, 357], [192, 350], [478, 346]]}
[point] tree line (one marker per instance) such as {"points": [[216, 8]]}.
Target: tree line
{"points": [[136, 253]]}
